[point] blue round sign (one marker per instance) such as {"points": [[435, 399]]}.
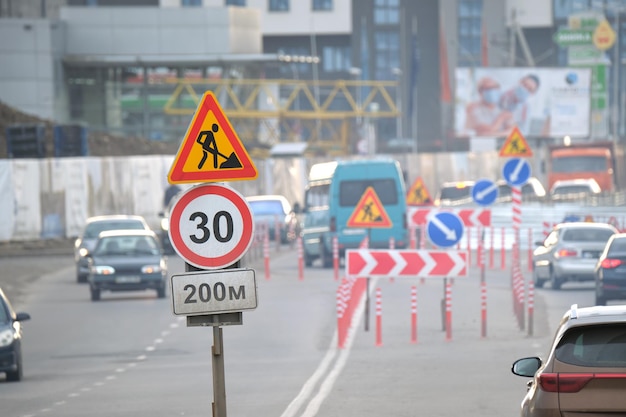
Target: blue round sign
{"points": [[445, 229], [485, 192], [516, 172]]}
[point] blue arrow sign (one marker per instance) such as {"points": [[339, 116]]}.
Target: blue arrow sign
{"points": [[445, 229], [485, 192], [516, 172]]}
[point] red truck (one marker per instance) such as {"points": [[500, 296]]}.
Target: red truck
{"points": [[603, 161]]}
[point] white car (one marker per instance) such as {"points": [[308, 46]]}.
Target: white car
{"points": [[570, 253], [574, 189]]}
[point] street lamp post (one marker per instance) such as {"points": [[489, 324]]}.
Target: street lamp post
{"points": [[616, 64], [398, 73], [356, 73]]}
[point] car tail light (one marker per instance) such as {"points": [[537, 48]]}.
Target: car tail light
{"points": [[564, 383], [571, 383], [610, 263], [333, 224], [564, 253]]}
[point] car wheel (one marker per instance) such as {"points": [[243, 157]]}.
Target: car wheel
{"points": [[161, 291], [308, 259], [95, 294], [555, 280], [538, 282], [600, 299], [16, 375], [325, 256]]}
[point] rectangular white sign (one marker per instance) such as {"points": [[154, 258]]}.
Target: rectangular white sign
{"points": [[212, 292], [541, 102]]}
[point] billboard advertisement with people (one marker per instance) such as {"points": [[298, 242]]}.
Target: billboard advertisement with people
{"points": [[541, 102]]}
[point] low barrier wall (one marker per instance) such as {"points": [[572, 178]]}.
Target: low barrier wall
{"points": [[51, 198]]}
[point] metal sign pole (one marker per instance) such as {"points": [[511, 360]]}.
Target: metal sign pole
{"points": [[219, 380], [217, 350], [367, 289]]}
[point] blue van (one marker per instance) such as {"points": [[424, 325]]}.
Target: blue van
{"points": [[333, 192]]}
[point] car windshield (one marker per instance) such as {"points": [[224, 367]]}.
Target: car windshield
{"points": [[265, 207], [455, 193], [93, 229], [351, 191], [579, 164], [126, 246], [598, 346], [4, 316], [617, 246], [504, 190], [586, 235], [571, 189]]}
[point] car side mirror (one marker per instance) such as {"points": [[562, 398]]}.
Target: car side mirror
{"points": [[22, 316], [526, 366]]}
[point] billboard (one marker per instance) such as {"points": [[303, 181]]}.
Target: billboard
{"points": [[541, 102]]}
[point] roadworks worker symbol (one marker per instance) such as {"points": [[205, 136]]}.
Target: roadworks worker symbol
{"points": [[369, 212], [418, 194], [211, 150], [515, 145]]}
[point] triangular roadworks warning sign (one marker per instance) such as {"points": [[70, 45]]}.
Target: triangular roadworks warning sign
{"points": [[515, 145], [418, 194], [211, 150], [369, 212]]}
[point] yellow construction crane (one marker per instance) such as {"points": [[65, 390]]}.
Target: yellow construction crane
{"points": [[328, 111]]}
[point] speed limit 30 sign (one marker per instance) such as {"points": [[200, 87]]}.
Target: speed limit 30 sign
{"points": [[211, 226]]}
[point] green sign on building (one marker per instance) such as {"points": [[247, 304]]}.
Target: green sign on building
{"points": [[572, 37]]}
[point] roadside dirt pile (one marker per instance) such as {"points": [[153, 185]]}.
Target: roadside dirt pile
{"points": [[99, 144]]}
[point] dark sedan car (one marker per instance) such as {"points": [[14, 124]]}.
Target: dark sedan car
{"points": [[127, 260], [11, 339], [611, 271], [88, 237]]}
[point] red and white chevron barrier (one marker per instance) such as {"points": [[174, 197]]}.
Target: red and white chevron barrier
{"points": [[469, 216], [413, 263]]}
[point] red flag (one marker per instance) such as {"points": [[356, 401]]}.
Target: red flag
{"points": [[446, 94], [484, 46]]}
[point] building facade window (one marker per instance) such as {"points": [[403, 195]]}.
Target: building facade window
{"points": [[278, 5], [191, 3], [469, 33], [295, 69], [563, 8], [335, 59], [322, 5], [387, 49], [235, 3], [386, 12]]}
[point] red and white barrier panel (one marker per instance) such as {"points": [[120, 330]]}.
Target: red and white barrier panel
{"points": [[413, 263], [379, 317], [349, 294], [469, 217]]}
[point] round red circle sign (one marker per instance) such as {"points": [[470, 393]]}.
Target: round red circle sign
{"points": [[211, 226]]}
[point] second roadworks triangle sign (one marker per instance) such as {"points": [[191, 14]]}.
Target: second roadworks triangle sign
{"points": [[418, 194], [515, 145], [211, 151], [369, 212]]}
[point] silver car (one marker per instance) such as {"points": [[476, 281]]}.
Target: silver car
{"points": [[85, 243], [570, 253]]}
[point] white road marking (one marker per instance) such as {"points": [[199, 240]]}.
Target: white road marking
{"points": [[327, 384]]}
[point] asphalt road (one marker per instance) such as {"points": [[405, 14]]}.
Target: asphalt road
{"points": [[129, 355]]}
